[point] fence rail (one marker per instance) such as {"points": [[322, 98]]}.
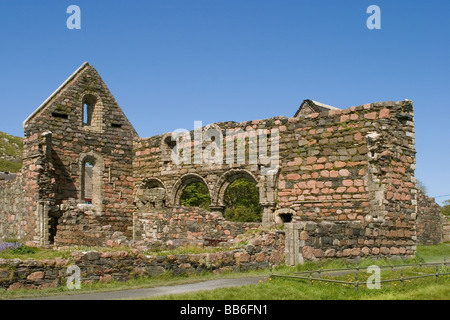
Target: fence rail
{"points": [[357, 283]]}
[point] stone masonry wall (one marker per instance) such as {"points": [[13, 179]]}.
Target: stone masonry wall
{"points": [[429, 221], [350, 240], [59, 142], [153, 163], [79, 224], [12, 220], [349, 167], [353, 169], [178, 226], [95, 266], [446, 230]]}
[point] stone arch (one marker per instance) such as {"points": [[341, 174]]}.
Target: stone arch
{"points": [[182, 183], [284, 215], [91, 111], [98, 168], [226, 179], [151, 193]]}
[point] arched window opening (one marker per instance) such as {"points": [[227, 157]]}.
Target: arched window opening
{"points": [[86, 116], [87, 190], [241, 201], [196, 194], [91, 173], [89, 102]]}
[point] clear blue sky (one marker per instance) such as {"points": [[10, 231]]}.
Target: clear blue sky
{"points": [[170, 62]]}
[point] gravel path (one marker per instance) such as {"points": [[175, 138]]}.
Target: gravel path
{"points": [[156, 291]]}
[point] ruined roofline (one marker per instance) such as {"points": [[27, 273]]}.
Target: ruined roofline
{"points": [[315, 106], [323, 105], [326, 110], [43, 104]]}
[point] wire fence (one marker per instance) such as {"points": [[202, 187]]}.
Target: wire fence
{"points": [[439, 270]]}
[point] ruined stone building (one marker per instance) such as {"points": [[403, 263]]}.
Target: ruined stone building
{"points": [[342, 183]]}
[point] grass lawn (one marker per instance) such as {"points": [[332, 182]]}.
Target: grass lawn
{"points": [[285, 289], [277, 288], [434, 253]]}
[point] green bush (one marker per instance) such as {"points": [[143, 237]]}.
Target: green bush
{"points": [[242, 201], [242, 214], [196, 194], [24, 249], [446, 208]]}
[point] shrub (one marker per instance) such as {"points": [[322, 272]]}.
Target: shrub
{"points": [[196, 194], [242, 201], [446, 208], [8, 245], [24, 249], [16, 247]]}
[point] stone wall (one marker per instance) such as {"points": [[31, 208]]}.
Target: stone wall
{"points": [[355, 164], [260, 253], [341, 239], [345, 165], [178, 226], [154, 166], [355, 169], [429, 221], [446, 230], [12, 219], [83, 224], [78, 124]]}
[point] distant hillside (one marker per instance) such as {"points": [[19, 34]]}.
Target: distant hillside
{"points": [[11, 149]]}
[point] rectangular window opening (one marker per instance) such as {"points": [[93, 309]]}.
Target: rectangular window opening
{"points": [[60, 115], [116, 125]]}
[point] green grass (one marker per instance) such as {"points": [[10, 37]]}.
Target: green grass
{"points": [[191, 249], [39, 254], [10, 166], [434, 253], [297, 289], [47, 254], [286, 289], [10, 146], [278, 288]]}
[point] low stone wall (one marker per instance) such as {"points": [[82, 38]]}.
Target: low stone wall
{"points": [[259, 253], [429, 222], [173, 227], [82, 224], [446, 230], [315, 241]]}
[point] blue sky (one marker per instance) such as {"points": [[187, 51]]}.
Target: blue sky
{"points": [[171, 62]]}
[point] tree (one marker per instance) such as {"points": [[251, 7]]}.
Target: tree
{"points": [[446, 208], [421, 186], [196, 194], [242, 201]]}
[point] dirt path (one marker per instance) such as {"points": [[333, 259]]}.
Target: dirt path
{"points": [[156, 291]]}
